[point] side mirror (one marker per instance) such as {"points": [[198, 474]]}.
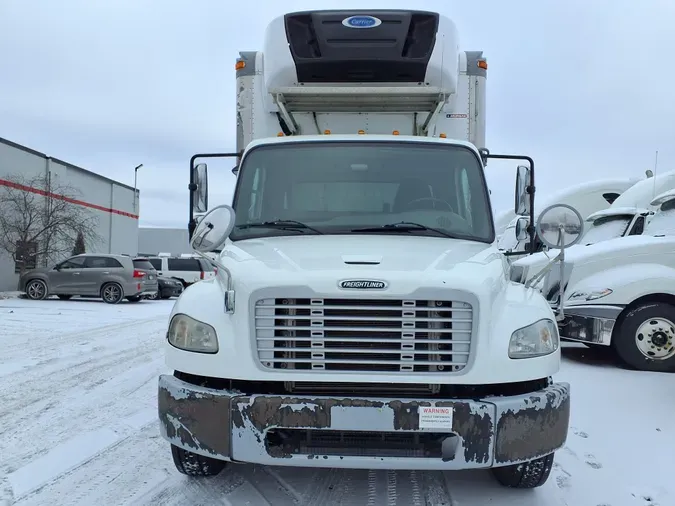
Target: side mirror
{"points": [[523, 182], [213, 229], [560, 226], [521, 229], [200, 193]]}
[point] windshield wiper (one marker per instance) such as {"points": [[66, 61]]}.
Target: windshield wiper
{"points": [[282, 225], [405, 226]]}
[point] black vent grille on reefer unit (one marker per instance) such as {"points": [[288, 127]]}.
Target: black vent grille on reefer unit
{"points": [[396, 51]]}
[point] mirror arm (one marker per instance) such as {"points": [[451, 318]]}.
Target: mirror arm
{"points": [[192, 223], [561, 309], [545, 270], [229, 288]]}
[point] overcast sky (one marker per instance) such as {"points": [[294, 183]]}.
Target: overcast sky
{"points": [[585, 87]]}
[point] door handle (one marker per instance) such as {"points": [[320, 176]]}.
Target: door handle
{"points": [[76, 273], [106, 272]]}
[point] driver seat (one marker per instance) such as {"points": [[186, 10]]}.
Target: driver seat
{"points": [[409, 190]]}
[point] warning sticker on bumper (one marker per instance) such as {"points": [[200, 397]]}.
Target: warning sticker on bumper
{"points": [[432, 417]]}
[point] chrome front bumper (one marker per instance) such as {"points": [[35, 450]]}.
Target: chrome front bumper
{"points": [[590, 323]]}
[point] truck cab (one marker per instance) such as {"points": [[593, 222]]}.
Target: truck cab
{"points": [[588, 197], [618, 294], [361, 315], [628, 215]]}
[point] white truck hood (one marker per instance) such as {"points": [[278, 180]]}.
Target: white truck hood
{"points": [[618, 251], [365, 253]]}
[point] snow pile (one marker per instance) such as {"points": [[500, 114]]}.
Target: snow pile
{"points": [[10, 295]]}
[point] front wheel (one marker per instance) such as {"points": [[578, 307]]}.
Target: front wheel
{"points": [[645, 337], [530, 474], [36, 289], [193, 464]]}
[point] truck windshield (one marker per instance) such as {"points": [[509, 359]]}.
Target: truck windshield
{"points": [[663, 221], [603, 229], [341, 187]]}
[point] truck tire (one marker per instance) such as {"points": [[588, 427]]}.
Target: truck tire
{"points": [[530, 474], [644, 337], [192, 464]]}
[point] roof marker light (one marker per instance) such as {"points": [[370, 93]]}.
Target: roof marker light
{"points": [[361, 132], [443, 136], [326, 132], [239, 65], [395, 132]]}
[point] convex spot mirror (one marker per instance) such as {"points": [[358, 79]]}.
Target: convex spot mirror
{"points": [[522, 200], [213, 229], [521, 229], [200, 193], [560, 226]]}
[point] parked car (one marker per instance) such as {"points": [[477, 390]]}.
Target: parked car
{"points": [[167, 288], [111, 277], [150, 280], [187, 270]]}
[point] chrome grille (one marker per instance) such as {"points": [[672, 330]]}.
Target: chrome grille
{"points": [[363, 334]]}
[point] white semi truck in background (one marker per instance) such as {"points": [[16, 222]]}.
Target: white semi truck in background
{"points": [[587, 198], [361, 316], [630, 212], [628, 215], [618, 293]]}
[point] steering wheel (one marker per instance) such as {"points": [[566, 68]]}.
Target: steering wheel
{"points": [[433, 199]]}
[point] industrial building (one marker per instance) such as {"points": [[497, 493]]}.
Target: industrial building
{"points": [[113, 206], [154, 240]]}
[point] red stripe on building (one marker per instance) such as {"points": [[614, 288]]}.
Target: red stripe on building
{"points": [[77, 202]]}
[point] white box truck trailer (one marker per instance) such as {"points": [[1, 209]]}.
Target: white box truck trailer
{"points": [[361, 316]]}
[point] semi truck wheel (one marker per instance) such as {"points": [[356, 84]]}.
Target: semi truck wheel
{"points": [[192, 464], [530, 474], [645, 337]]}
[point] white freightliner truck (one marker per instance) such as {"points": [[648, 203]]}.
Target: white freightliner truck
{"points": [[361, 316], [618, 293]]}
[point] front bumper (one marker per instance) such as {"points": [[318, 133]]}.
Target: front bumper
{"points": [[592, 323], [171, 291], [363, 433]]}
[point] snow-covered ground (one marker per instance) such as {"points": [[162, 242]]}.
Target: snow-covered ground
{"points": [[78, 427]]}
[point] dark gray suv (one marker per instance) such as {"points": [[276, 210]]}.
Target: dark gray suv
{"points": [[111, 277]]}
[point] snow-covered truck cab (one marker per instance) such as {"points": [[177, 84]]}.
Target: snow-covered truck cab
{"points": [[361, 316], [627, 216], [588, 197], [620, 293]]}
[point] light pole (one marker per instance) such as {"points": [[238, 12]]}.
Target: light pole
{"points": [[135, 181]]}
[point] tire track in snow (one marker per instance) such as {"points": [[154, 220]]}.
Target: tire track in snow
{"points": [[50, 405], [62, 371]]}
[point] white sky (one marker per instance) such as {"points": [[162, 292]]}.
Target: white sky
{"points": [[582, 86]]}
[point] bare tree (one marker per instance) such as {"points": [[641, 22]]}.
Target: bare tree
{"points": [[40, 220]]}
